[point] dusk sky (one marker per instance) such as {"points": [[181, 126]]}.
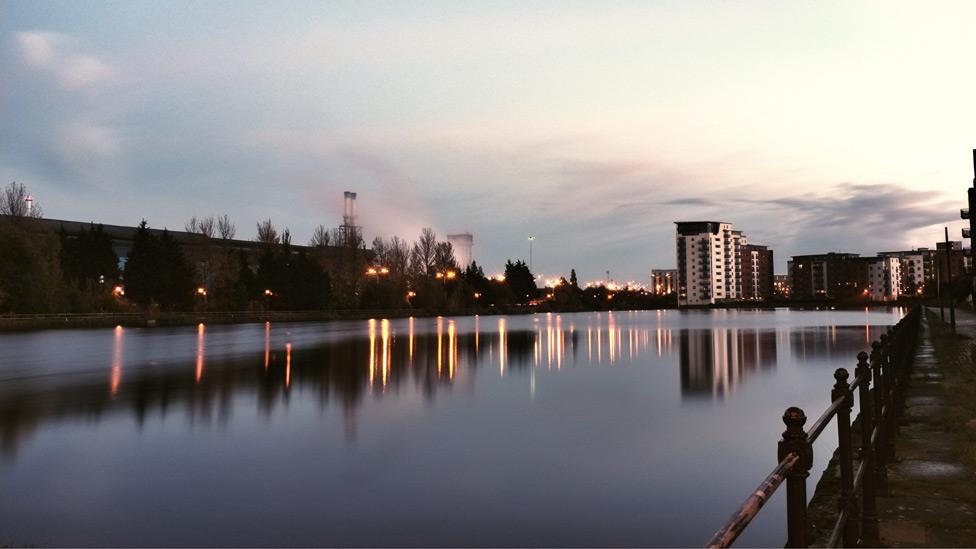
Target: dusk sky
{"points": [[593, 126]]}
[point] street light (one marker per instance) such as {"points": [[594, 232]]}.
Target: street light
{"points": [[531, 240]]}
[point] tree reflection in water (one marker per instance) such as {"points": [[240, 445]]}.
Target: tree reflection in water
{"points": [[380, 356]]}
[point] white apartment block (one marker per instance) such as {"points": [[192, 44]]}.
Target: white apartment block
{"points": [[708, 255], [884, 278]]}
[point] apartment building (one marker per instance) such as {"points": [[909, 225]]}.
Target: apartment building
{"points": [[757, 272], [709, 260]]}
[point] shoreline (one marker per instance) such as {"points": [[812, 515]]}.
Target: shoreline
{"points": [[24, 323]]}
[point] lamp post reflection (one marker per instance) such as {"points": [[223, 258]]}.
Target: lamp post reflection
{"points": [[200, 348], [502, 346], [116, 377], [287, 365], [267, 344]]}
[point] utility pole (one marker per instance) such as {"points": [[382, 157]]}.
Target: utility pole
{"points": [[952, 302]]}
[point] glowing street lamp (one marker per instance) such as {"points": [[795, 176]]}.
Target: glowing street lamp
{"points": [[450, 274], [268, 293], [118, 291], [202, 292]]}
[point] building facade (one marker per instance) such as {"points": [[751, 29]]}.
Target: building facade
{"points": [[708, 259], [884, 279], [757, 272], [828, 276]]}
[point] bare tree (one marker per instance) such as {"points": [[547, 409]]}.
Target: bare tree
{"points": [[379, 250], [397, 256], [208, 227], [267, 234], [225, 228], [422, 254], [205, 226], [320, 238], [286, 237], [13, 201]]}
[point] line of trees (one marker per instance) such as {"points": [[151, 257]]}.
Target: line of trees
{"points": [[45, 271]]}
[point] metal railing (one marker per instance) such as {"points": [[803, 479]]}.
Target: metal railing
{"points": [[880, 409]]}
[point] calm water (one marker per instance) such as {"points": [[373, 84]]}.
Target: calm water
{"points": [[643, 428]]}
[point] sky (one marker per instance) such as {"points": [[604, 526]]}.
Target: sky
{"points": [[812, 127]]}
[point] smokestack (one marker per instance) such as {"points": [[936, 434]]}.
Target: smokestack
{"points": [[30, 204], [349, 209]]}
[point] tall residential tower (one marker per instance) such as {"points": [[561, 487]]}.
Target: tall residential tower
{"points": [[708, 254]]}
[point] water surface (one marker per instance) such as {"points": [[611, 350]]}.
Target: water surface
{"points": [[606, 429]]}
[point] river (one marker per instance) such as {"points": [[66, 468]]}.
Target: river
{"points": [[605, 429]]}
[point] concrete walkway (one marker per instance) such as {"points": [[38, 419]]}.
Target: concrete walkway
{"points": [[931, 501]]}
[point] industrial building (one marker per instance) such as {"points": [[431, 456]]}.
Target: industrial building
{"points": [[664, 281], [463, 245]]}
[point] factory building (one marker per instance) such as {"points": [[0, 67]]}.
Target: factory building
{"points": [[463, 245], [664, 281]]}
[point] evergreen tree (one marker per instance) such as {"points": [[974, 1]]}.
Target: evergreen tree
{"points": [[520, 280]]}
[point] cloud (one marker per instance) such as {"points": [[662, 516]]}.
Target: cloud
{"points": [[37, 48], [689, 201], [55, 53]]}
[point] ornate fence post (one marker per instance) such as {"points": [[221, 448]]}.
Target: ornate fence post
{"points": [[795, 442], [869, 516], [848, 501]]}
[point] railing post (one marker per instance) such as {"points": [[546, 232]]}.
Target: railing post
{"points": [[878, 400], [795, 442], [869, 516], [848, 501]]}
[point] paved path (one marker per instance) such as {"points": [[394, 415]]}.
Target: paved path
{"points": [[931, 501]]}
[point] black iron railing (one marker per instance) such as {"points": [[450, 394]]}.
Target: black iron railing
{"points": [[880, 407]]}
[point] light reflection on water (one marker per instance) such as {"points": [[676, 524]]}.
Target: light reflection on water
{"points": [[602, 410]]}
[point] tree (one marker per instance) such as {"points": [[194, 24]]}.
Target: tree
{"points": [[175, 274], [13, 202], [225, 228], [423, 253], [29, 274], [444, 257], [157, 271], [572, 279], [140, 266], [267, 234], [87, 258], [520, 280], [206, 226], [320, 237]]}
